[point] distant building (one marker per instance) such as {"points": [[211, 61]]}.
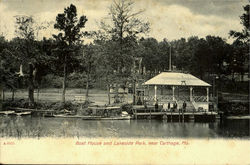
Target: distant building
{"points": [[176, 80]]}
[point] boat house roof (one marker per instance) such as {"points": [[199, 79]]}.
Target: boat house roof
{"points": [[176, 79]]}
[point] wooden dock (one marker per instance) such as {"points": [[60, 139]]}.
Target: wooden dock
{"points": [[141, 112], [49, 113]]}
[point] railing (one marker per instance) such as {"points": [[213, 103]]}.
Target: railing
{"points": [[148, 98], [199, 98], [177, 98], [165, 97], [161, 98]]}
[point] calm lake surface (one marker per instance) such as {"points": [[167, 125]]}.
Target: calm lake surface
{"points": [[28, 126]]}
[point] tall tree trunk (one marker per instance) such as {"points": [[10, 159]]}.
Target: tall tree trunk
{"points": [[87, 84], [134, 92], [108, 88], [117, 100], [31, 85], [64, 80]]}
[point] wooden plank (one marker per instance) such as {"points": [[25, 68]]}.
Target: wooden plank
{"points": [[21, 109], [27, 109], [148, 114], [173, 114]]}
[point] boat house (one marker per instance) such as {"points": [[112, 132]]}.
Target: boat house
{"points": [[169, 87]]}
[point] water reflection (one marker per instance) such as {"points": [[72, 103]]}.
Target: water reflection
{"points": [[234, 128], [28, 126]]}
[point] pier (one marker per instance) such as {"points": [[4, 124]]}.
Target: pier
{"points": [[48, 113], [140, 112]]}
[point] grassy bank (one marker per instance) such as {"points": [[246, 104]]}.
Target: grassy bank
{"points": [[97, 96]]}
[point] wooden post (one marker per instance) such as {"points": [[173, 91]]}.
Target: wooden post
{"points": [[134, 92], [148, 90], [191, 93], [170, 67], [150, 113], [173, 88], [155, 93], [144, 91], [207, 94]]}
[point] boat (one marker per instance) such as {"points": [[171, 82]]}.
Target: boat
{"points": [[7, 112], [117, 118], [93, 117], [68, 116], [23, 113], [107, 118]]}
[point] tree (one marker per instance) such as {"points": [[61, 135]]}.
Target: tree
{"points": [[201, 58], [244, 34], [164, 53], [28, 50], [182, 54], [236, 59], [45, 61], [150, 54], [26, 45], [218, 53], [105, 67], [8, 78], [241, 45], [70, 34], [122, 31], [89, 60]]}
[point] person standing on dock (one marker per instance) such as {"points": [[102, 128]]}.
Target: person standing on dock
{"points": [[184, 106], [145, 105], [156, 105], [165, 107], [168, 105], [175, 106]]}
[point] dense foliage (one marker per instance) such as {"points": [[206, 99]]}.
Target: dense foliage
{"points": [[26, 62]]}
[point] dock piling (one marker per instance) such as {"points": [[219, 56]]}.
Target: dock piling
{"points": [[150, 113]]}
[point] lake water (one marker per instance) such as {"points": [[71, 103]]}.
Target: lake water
{"points": [[28, 126]]}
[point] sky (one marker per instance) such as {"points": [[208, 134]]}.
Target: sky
{"points": [[170, 19]]}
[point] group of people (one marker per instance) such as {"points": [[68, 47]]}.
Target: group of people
{"points": [[174, 107]]}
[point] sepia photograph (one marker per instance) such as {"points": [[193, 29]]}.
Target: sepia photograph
{"points": [[124, 77]]}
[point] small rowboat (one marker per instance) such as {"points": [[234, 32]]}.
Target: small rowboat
{"points": [[67, 116], [23, 113], [107, 118], [94, 117], [7, 112], [116, 118]]}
